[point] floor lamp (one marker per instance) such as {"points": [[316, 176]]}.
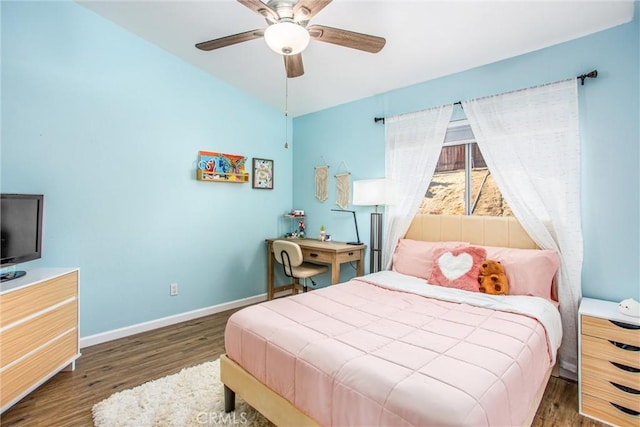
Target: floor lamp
{"points": [[374, 192]]}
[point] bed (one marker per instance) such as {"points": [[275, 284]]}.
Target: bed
{"points": [[390, 349]]}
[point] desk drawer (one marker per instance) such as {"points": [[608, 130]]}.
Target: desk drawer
{"points": [[618, 331], [316, 255], [354, 255]]}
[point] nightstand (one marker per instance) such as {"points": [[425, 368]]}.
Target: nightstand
{"points": [[609, 358]]}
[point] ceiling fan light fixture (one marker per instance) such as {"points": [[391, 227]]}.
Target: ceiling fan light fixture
{"points": [[286, 38]]}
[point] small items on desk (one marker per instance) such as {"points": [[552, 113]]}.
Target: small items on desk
{"points": [[297, 230], [323, 236]]}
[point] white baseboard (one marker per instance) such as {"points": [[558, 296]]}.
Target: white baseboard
{"points": [[166, 321]]}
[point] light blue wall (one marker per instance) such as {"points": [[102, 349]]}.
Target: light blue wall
{"points": [[609, 116], [108, 127]]}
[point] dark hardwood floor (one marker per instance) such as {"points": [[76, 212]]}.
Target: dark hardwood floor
{"points": [[67, 398]]}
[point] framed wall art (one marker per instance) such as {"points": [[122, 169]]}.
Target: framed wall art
{"points": [[262, 174]]}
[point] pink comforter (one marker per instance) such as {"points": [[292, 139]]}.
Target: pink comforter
{"points": [[357, 354]]}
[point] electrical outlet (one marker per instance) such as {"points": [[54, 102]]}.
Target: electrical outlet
{"points": [[173, 289]]}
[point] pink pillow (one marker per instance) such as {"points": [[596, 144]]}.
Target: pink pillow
{"points": [[415, 258], [529, 271], [458, 268]]}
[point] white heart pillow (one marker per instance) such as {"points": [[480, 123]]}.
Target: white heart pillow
{"points": [[454, 266]]}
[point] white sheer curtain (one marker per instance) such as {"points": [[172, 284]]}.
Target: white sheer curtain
{"points": [[530, 142], [412, 147]]}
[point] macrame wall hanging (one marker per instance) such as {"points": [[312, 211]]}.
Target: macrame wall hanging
{"points": [[322, 182], [343, 187]]}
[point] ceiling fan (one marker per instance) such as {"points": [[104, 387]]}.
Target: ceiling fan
{"points": [[288, 32]]}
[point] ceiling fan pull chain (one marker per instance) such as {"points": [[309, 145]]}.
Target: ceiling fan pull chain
{"points": [[286, 110]]}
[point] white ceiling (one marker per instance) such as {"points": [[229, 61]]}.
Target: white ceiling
{"points": [[425, 40]]}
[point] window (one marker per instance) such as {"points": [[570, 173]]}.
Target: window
{"points": [[462, 183]]}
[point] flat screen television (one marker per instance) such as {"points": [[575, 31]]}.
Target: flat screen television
{"points": [[21, 230]]}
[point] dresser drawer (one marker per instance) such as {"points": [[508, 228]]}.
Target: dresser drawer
{"points": [[25, 302], [605, 411], [30, 371], [607, 329], [611, 350], [25, 337], [612, 391], [623, 374]]}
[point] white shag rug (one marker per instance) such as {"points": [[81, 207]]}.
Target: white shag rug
{"points": [[192, 397]]}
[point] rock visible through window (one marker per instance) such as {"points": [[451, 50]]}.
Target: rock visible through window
{"points": [[463, 185]]}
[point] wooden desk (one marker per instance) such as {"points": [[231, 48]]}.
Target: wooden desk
{"points": [[332, 253]]}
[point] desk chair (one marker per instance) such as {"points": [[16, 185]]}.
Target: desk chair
{"points": [[289, 255]]}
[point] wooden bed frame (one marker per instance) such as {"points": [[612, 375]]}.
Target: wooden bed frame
{"points": [[478, 230]]}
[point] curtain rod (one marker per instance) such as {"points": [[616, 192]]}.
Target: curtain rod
{"points": [[591, 75]]}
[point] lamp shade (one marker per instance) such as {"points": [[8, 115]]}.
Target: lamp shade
{"points": [[373, 192], [286, 38]]}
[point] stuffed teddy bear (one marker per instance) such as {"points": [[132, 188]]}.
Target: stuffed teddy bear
{"points": [[630, 307], [492, 278]]}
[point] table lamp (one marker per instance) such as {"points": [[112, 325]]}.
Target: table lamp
{"points": [[374, 192], [355, 221]]}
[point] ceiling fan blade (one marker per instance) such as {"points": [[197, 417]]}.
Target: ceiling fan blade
{"points": [[229, 40], [261, 9], [304, 10], [293, 65], [365, 42]]}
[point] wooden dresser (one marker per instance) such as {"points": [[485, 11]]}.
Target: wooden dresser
{"points": [[38, 330], [609, 352]]}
